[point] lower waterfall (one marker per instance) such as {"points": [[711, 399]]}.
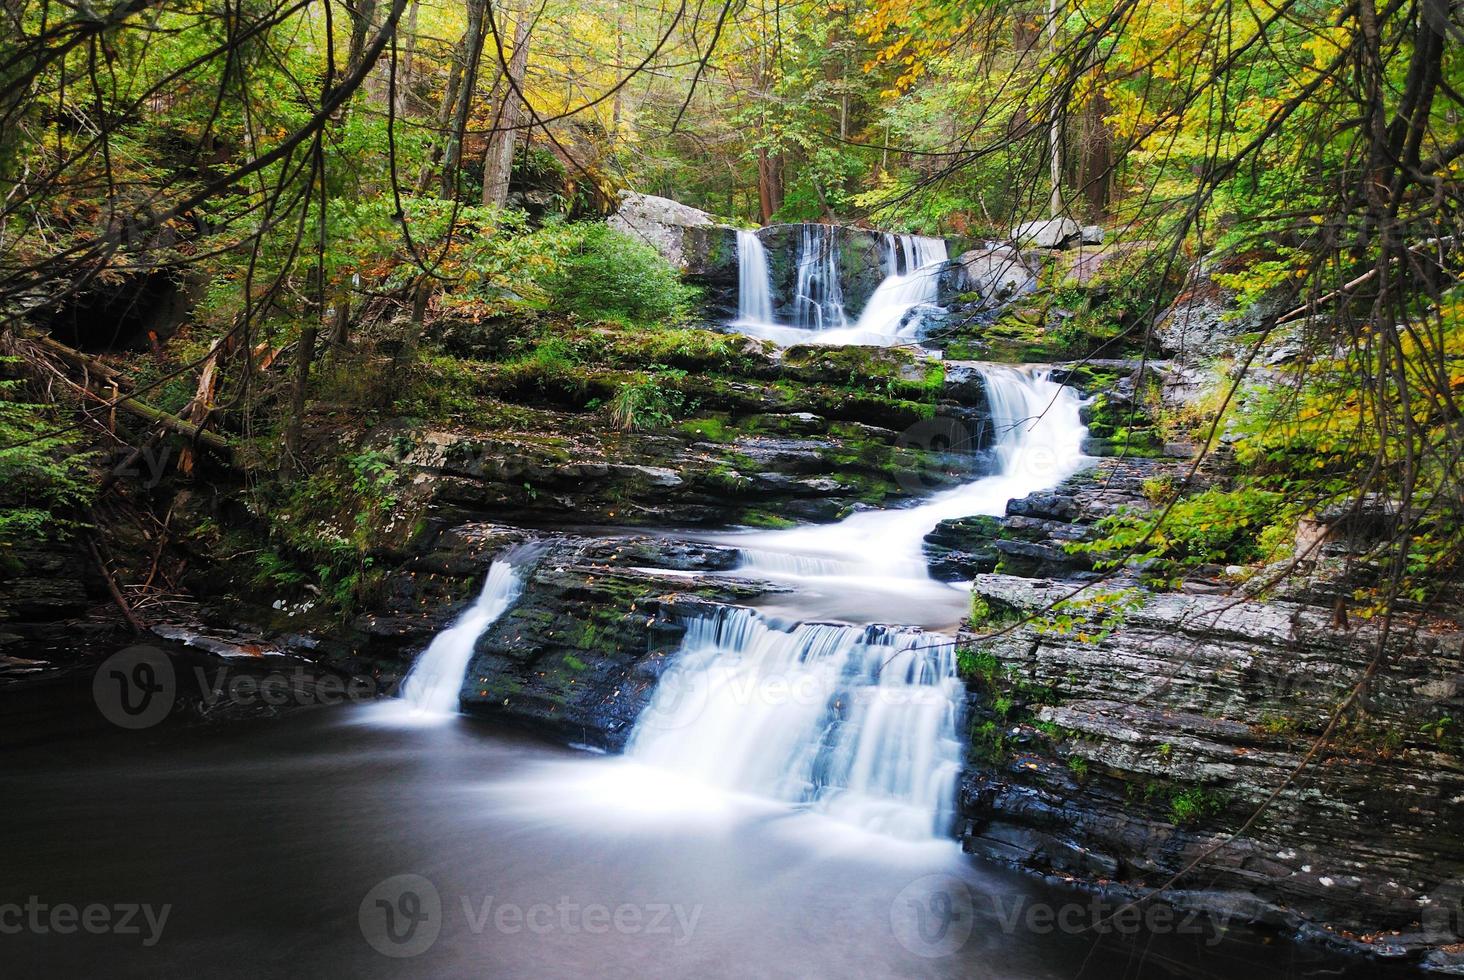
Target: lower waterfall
{"points": [[435, 680], [858, 721]]}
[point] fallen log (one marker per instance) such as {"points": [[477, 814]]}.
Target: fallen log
{"points": [[130, 405]]}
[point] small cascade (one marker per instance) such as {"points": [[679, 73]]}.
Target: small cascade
{"points": [[435, 680], [818, 298], [910, 289], [1036, 435], [754, 281], [859, 722]]}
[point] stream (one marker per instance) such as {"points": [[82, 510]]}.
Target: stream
{"points": [[783, 809]]}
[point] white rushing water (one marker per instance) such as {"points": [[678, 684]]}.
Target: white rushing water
{"points": [[754, 281], [897, 311], [858, 721], [818, 296], [910, 290], [435, 680], [875, 560]]}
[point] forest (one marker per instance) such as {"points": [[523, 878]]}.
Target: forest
{"points": [[1030, 429]]}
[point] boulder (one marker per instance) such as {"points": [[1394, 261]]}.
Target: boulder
{"points": [[1092, 234], [692, 241], [996, 273], [1053, 233], [660, 222]]}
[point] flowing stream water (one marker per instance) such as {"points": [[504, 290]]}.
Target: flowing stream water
{"points": [[858, 717], [436, 678]]}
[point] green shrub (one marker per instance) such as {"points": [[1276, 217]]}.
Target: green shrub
{"points": [[43, 483], [651, 401], [1192, 805], [605, 275], [1213, 527]]}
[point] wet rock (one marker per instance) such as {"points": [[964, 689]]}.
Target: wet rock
{"points": [[959, 549], [578, 656], [996, 274], [1053, 233]]}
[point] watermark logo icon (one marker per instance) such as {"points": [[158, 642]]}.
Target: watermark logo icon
{"points": [[1442, 917], [134, 688], [679, 699], [933, 916], [401, 916]]}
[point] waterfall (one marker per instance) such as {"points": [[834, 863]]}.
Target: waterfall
{"points": [[435, 680], [1036, 433], [818, 298], [754, 281], [911, 286], [859, 722]]}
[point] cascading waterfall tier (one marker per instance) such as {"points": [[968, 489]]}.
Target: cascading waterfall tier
{"points": [[911, 288], [898, 310], [857, 721], [436, 679], [818, 296], [754, 281]]}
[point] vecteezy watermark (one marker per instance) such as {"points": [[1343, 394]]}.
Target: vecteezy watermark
{"points": [[933, 916], [144, 464], [401, 916], [950, 438], [97, 918], [404, 915], [1442, 915], [138, 687], [937, 916]]}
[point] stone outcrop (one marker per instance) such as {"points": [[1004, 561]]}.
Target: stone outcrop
{"points": [[1052, 233], [996, 274], [669, 226], [1171, 718], [577, 657], [692, 241]]}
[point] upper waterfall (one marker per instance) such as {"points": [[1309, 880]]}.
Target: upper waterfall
{"points": [[754, 280], [817, 312], [818, 296], [911, 287]]}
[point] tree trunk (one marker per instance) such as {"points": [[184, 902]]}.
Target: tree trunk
{"points": [[402, 95], [445, 111], [498, 161], [299, 386], [1095, 161], [1054, 124], [765, 185], [473, 54]]}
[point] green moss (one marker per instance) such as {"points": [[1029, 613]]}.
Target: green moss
{"points": [[765, 519], [1188, 806], [714, 429]]}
